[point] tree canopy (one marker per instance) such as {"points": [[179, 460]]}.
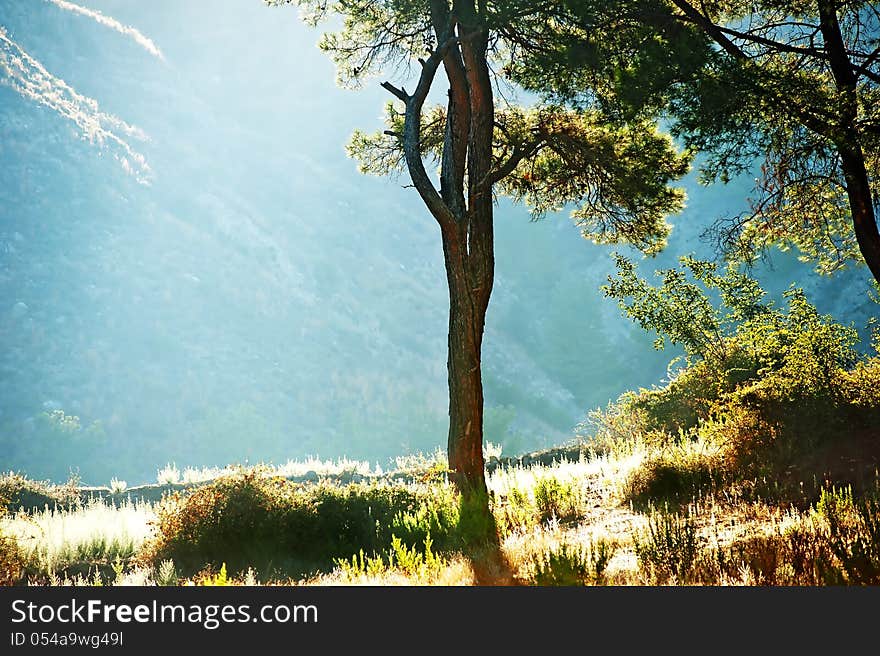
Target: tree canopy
{"points": [[785, 89], [615, 172]]}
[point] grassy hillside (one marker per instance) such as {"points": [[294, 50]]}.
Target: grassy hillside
{"points": [[569, 522]]}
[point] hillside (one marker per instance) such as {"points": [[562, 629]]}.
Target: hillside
{"points": [[242, 293]]}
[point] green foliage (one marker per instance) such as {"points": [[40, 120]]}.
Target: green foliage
{"points": [[12, 560], [375, 35], [103, 559], [627, 57], [277, 526], [411, 561], [220, 579], [680, 310], [476, 523], [513, 512], [166, 574], [764, 389], [569, 564], [853, 534], [675, 476], [556, 499], [668, 548], [20, 492], [616, 176], [439, 517], [739, 97]]}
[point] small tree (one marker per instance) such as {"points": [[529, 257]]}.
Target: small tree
{"points": [[617, 174]]}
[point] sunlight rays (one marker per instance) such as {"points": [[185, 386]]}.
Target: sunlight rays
{"points": [[126, 30], [31, 80]]}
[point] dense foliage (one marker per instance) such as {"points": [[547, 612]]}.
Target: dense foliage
{"points": [[279, 527], [766, 390]]}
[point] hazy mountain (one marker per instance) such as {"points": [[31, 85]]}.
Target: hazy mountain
{"points": [[192, 268]]}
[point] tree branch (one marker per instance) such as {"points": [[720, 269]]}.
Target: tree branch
{"points": [[520, 152], [400, 94], [710, 28], [720, 35], [864, 69], [411, 138], [454, 160]]}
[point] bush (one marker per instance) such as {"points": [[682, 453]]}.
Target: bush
{"points": [[675, 477], [853, 535], [277, 526], [573, 565], [775, 392], [514, 511], [21, 493], [556, 499], [669, 547]]}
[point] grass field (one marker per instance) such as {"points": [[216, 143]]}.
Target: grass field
{"points": [[569, 522]]}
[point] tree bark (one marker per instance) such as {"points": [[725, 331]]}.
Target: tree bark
{"points": [[470, 257], [846, 138], [858, 190], [466, 320]]}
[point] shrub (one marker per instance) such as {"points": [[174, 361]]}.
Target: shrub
{"points": [[773, 390], [669, 547], [556, 499], [12, 561], [410, 561], [168, 475], [117, 486], [674, 477], [21, 493], [275, 525], [854, 535], [166, 574], [514, 511], [573, 565]]}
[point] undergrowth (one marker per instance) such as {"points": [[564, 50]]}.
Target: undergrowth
{"points": [[765, 394], [279, 527]]}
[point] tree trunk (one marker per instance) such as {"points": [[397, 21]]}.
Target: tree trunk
{"points": [[466, 321], [846, 138], [463, 209], [858, 191]]}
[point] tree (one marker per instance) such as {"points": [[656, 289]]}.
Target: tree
{"points": [[548, 156], [791, 85]]}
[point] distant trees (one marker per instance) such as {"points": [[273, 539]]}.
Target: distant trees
{"points": [[791, 86], [616, 173]]}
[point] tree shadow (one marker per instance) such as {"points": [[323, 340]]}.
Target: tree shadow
{"points": [[482, 544]]}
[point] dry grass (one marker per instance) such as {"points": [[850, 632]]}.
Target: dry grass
{"points": [[85, 543], [736, 539]]}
